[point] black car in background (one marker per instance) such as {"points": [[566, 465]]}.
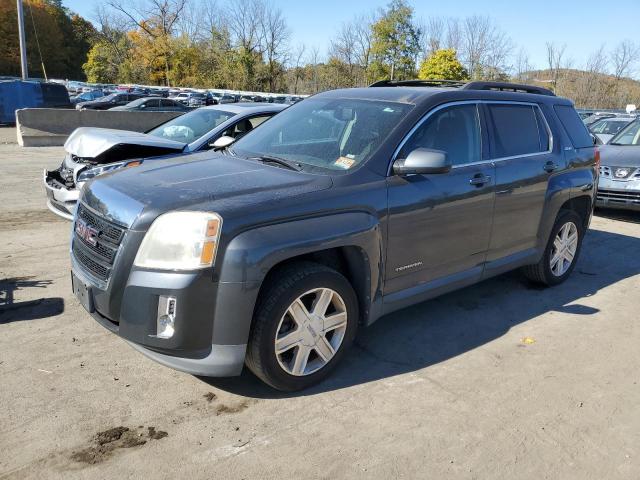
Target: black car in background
{"points": [[110, 101], [153, 104]]}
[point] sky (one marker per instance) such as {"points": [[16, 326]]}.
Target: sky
{"points": [[583, 25]]}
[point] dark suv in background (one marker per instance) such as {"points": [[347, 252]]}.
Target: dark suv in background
{"points": [[274, 250]]}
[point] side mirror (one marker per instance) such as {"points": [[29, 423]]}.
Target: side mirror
{"points": [[596, 139], [222, 142], [423, 161]]}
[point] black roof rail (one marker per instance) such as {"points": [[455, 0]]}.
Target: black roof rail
{"points": [[508, 87], [418, 83]]}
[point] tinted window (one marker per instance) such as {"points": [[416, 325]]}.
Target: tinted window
{"points": [[574, 127], [515, 130], [543, 131], [455, 130]]}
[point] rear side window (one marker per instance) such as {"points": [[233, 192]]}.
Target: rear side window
{"points": [[516, 130], [575, 128]]}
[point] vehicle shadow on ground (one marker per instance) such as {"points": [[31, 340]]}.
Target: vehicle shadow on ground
{"points": [[629, 216], [443, 328], [11, 311]]}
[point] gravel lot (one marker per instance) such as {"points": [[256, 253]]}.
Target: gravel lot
{"points": [[501, 380]]}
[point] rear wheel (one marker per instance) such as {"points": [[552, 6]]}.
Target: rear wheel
{"points": [[305, 320], [561, 253]]}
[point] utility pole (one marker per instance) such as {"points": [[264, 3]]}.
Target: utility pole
{"points": [[23, 43]]}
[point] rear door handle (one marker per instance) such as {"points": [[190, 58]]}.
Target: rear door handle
{"points": [[550, 167], [480, 179]]}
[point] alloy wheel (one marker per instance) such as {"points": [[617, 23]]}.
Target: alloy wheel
{"points": [[564, 249], [311, 331]]}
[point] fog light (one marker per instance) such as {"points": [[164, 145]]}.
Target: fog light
{"points": [[165, 323]]}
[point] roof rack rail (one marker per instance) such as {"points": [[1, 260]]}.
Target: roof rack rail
{"points": [[508, 87], [418, 83]]}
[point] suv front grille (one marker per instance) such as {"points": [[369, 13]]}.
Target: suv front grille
{"points": [[97, 259], [619, 196], [619, 173]]}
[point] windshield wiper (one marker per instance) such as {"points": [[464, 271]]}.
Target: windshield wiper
{"points": [[279, 161]]}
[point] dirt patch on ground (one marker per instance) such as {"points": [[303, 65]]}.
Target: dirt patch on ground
{"points": [[223, 409], [105, 443], [16, 220]]}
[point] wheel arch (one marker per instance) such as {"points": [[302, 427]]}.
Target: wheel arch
{"points": [[348, 242]]}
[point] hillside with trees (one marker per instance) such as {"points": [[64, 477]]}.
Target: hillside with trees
{"points": [[248, 45]]}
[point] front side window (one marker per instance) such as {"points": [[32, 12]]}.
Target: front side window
{"points": [[516, 130], [191, 126], [455, 130], [333, 134]]}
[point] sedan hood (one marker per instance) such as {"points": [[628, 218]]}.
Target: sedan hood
{"points": [[105, 145], [620, 156], [209, 181]]}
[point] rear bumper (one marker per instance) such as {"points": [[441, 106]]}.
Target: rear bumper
{"points": [[60, 200]]}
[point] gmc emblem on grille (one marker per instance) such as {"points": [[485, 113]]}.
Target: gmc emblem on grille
{"points": [[87, 233]]}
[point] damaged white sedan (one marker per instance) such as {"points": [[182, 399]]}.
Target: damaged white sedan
{"points": [[90, 152]]}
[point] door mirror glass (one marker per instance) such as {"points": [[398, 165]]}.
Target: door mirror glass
{"points": [[222, 142], [423, 161]]}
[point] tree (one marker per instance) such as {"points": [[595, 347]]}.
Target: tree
{"points": [[443, 64], [396, 41]]}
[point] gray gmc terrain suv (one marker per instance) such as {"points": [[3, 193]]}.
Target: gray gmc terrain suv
{"points": [[272, 251]]}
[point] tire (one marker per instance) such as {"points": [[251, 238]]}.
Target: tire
{"points": [[301, 283], [542, 272]]}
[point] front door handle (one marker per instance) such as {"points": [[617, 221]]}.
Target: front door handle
{"points": [[550, 167], [480, 179]]}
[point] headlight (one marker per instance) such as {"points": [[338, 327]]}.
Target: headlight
{"points": [[94, 172], [180, 241]]}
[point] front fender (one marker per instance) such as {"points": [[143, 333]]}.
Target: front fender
{"points": [[250, 256]]}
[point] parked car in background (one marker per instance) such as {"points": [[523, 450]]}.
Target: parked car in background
{"points": [[228, 98], [619, 182], [153, 104], [89, 152], [87, 96], [109, 101], [350, 205], [196, 100], [606, 128], [590, 120]]}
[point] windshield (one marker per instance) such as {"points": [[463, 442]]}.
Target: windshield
{"points": [[334, 134], [608, 127], [191, 126], [628, 136], [108, 98]]}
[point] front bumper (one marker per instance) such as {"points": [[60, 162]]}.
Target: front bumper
{"points": [[621, 194], [60, 199], [210, 338]]}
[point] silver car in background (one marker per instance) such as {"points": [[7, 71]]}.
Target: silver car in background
{"points": [[619, 183], [607, 128], [90, 152]]}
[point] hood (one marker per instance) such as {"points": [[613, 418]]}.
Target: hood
{"points": [[209, 181], [105, 145], [620, 156]]}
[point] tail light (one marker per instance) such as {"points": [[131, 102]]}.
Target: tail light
{"points": [[597, 157]]}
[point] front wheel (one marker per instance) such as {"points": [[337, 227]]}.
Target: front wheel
{"points": [[305, 320], [561, 253]]}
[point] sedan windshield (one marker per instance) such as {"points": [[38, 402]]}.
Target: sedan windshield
{"points": [[191, 126], [333, 134], [628, 136], [608, 127]]}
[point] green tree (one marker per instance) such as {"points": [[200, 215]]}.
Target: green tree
{"points": [[443, 64], [396, 42]]}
